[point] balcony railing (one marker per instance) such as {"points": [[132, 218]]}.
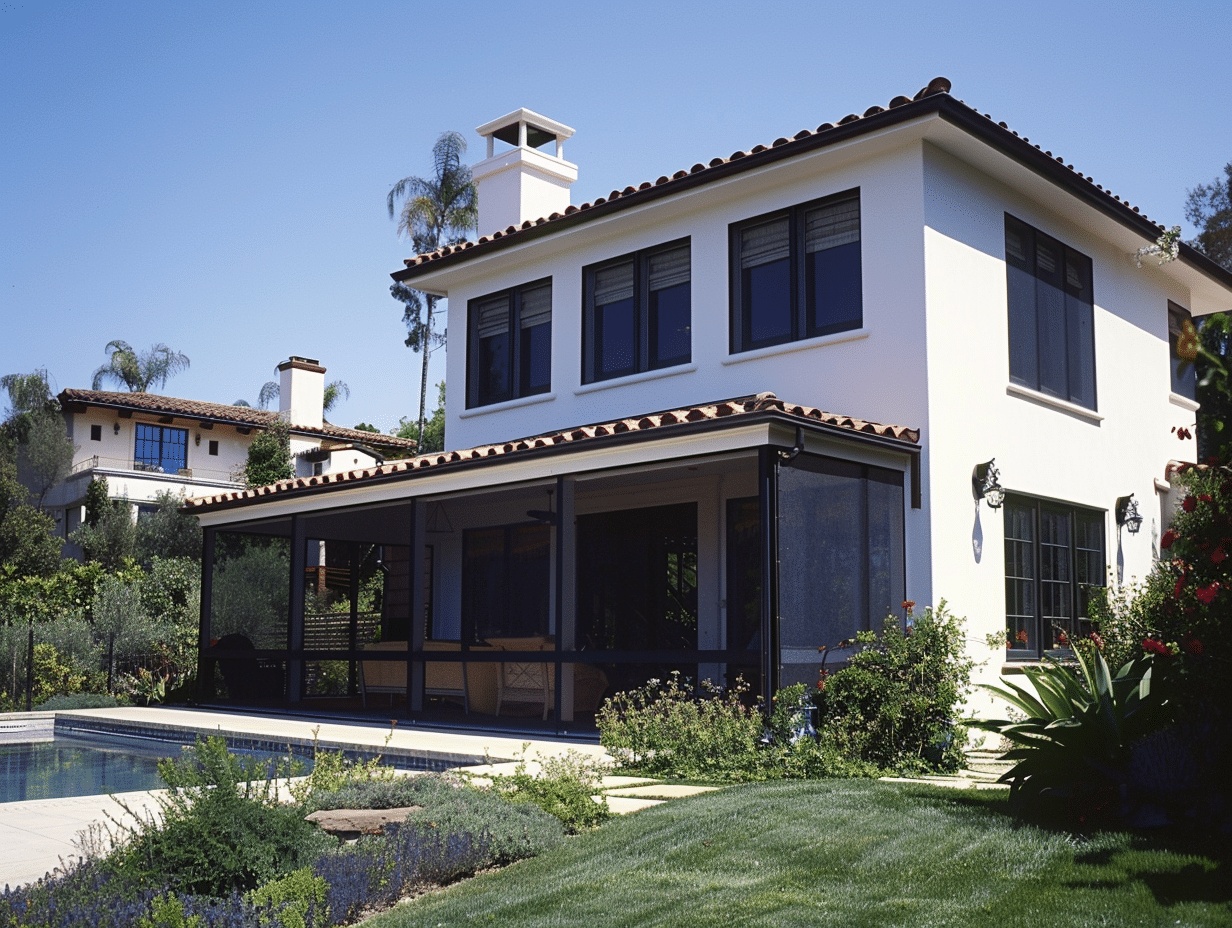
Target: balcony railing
{"points": [[97, 462]]}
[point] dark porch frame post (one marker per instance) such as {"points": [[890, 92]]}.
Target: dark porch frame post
{"points": [[767, 495], [295, 614], [566, 599], [205, 666], [415, 639], [352, 638]]}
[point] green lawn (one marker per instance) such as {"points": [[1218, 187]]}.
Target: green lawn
{"points": [[844, 853]]}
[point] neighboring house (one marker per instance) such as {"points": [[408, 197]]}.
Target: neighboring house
{"points": [[145, 444], [920, 265]]}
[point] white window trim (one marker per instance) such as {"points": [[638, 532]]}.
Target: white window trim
{"points": [[640, 377], [508, 404], [821, 341], [1176, 399], [1080, 412]]}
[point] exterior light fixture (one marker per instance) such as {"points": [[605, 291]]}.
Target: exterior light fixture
{"points": [[197, 440], [115, 428], [1127, 514], [985, 486]]}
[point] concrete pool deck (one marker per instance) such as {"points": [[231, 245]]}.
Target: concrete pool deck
{"points": [[38, 834]]}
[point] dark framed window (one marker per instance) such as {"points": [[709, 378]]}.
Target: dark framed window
{"points": [[1184, 374], [213, 447], [796, 273], [160, 448], [1051, 315], [1054, 556], [637, 315], [509, 344], [96, 433]]}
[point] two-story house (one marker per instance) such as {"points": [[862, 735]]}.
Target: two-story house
{"points": [[908, 355], [145, 444]]}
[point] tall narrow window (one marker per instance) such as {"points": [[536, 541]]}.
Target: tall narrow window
{"points": [[510, 344], [637, 313], [160, 449], [1181, 330], [1051, 315], [1054, 556], [796, 274]]}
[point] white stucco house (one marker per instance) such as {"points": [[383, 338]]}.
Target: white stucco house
{"points": [[145, 444], [717, 420]]}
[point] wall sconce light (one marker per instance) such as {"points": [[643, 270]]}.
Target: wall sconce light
{"points": [[1127, 514], [985, 486], [116, 428], [197, 440]]}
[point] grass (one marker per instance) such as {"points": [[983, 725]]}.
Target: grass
{"points": [[843, 853]]}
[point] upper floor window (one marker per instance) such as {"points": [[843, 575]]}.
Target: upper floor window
{"points": [[1181, 329], [1051, 315], [96, 433], [1054, 556], [796, 273], [509, 344], [637, 313], [160, 448]]}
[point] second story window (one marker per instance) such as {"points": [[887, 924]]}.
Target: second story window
{"points": [[1051, 315], [638, 313], [1181, 329], [796, 274], [509, 344], [160, 448]]}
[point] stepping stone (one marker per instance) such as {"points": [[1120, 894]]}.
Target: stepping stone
{"points": [[623, 805], [663, 791], [351, 823], [615, 782]]}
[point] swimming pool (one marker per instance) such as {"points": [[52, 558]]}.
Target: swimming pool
{"points": [[78, 766]]}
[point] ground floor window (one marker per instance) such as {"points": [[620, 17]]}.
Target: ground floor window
{"points": [[1054, 555]]}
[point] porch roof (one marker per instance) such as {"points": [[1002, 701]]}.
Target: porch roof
{"points": [[651, 426]]}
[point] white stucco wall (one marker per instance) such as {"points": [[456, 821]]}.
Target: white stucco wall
{"points": [[1041, 449]]}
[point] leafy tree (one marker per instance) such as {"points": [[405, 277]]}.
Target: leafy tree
{"points": [[269, 456], [1209, 207], [168, 532], [433, 430], [28, 546], [97, 500], [138, 372], [28, 393], [436, 211], [47, 452], [112, 540], [366, 427]]}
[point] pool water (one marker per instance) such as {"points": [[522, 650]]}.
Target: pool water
{"points": [[76, 765]]}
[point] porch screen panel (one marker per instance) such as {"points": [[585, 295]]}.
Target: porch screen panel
{"points": [[249, 610], [505, 582], [840, 542]]}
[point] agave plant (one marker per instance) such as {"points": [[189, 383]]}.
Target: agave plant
{"points": [[1078, 728]]}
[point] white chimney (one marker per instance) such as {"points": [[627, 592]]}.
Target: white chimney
{"points": [[523, 182], [301, 392]]}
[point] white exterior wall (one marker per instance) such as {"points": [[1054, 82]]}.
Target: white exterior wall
{"points": [[1041, 449]]}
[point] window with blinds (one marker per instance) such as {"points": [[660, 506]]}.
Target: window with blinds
{"points": [[638, 313], [509, 344], [796, 274], [1051, 315]]}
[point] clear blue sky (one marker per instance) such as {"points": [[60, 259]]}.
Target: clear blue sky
{"points": [[213, 175]]}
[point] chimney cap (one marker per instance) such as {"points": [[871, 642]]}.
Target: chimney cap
{"points": [[539, 129]]}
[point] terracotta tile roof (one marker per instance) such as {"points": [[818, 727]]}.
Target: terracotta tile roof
{"points": [[229, 415], [658, 422], [933, 98]]}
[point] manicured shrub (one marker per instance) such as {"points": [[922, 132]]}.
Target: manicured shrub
{"points": [[665, 729], [222, 830], [299, 898], [392, 792], [510, 831], [897, 702], [79, 701], [564, 787]]}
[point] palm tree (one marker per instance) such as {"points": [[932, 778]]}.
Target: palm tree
{"points": [[436, 211], [334, 391], [139, 372]]}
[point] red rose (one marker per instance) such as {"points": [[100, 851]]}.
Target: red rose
{"points": [[1218, 555], [1207, 593], [1169, 537], [1097, 639], [1193, 646], [1205, 497], [1151, 646], [1179, 588], [1189, 504]]}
